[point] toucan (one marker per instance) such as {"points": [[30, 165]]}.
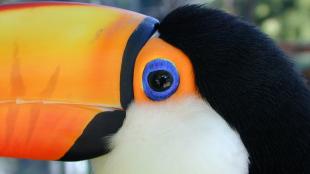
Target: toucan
{"points": [[201, 92]]}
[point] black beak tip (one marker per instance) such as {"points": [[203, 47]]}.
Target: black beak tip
{"points": [[94, 140]]}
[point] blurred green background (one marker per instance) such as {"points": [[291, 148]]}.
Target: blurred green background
{"points": [[286, 21]]}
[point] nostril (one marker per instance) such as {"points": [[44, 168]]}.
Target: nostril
{"points": [[94, 140]]}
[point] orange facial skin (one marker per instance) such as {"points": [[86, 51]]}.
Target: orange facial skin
{"points": [[60, 65], [157, 48]]}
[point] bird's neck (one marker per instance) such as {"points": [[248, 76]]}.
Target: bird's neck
{"points": [[278, 138], [181, 137]]}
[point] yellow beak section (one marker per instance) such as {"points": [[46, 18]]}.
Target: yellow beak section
{"points": [[60, 65], [63, 53]]}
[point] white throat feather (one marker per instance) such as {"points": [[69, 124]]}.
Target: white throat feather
{"points": [[180, 137]]}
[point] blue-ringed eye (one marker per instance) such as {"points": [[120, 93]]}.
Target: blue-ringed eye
{"points": [[160, 79]]}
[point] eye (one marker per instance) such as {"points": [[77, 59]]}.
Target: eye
{"points": [[160, 79]]}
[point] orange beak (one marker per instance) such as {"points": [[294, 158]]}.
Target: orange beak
{"points": [[66, 73]]}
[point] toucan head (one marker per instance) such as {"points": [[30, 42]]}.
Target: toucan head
{"points": [[73, 75], [199, 93]]}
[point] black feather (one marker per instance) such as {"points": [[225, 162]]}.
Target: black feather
{"points": [[250, 82]]}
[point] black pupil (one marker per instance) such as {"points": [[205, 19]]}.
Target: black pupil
{"points": [[160, 80]]}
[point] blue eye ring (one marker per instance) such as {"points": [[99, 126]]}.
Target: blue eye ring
{"points": [[160, 66]]}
